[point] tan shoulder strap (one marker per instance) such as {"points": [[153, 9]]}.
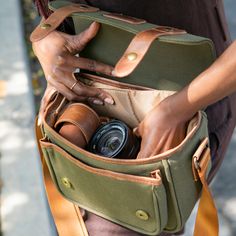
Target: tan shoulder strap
{"points": [[207, 218], [67, 216]]}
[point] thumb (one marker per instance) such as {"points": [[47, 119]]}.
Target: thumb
{"points": [[78, 42]]}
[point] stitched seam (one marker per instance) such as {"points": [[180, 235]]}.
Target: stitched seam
{"points": [[102, 172], [132, 107], [119, 161]]}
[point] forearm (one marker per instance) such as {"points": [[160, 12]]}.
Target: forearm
{"points": [[218, 81]]}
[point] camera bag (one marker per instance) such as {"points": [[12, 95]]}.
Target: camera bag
{"points": [[150, 195]]}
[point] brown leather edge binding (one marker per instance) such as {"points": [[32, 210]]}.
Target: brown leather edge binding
{"points": [[56, 18], [139, 47], [124, 18], [67, 216], [207, 218], [152, 180]]}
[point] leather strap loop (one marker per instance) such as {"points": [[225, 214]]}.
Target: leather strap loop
{"points": [[56, 18], [207, 218], [67, 216], [139, 47]]}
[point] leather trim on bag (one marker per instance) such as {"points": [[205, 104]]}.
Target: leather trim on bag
{"points": [[139, 47], [161, 156], [118, 176], [56, 18], [124, 18]]}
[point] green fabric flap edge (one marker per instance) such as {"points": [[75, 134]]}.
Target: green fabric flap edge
{"points": [[186, 39]]}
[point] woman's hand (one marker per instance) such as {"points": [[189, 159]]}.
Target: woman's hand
{"points": [[57, 55], [164, 127], [161, 130]]}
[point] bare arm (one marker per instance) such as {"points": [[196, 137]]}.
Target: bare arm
{"points": [[164, 127], [218, 81]]}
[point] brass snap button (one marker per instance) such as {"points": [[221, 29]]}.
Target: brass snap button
{"points": [[66, 182], [142, 215], [132, 56], [45, 26]]}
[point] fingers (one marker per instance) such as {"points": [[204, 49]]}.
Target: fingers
{"points": [[158, 141], [74, 90], [70, 63], [83, 39], [64, 90], [91, 65], [76, 43]]}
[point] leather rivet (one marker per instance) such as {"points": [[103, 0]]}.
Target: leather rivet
{"points": [[45, 26], [142, 215], [132, 56], [66, 182]]}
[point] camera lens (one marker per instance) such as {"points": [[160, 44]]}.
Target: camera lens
{"points": [[114, 140]]}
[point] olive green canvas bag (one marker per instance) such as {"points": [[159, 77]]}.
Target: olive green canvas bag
{"points": [[145, 195]]}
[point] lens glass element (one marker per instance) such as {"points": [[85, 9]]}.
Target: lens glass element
{"points": [[109, 142], [114, 140]]}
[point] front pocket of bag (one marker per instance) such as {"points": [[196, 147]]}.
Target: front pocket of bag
{"points": [[136, 202]]}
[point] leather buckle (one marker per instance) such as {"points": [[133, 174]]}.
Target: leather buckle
{"points": [[198, 160], [196, 164]]}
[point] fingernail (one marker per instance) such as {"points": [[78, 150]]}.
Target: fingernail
{"points": [[109, 101], [97, 102], [136, 132], [77, 70], [113, 73]]}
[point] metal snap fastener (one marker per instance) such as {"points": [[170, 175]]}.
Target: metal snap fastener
{"points": [[142, 215], [66, 182], [45, 26], [132, 56]]}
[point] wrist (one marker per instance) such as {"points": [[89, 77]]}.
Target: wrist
{"points": [[178, 108]]}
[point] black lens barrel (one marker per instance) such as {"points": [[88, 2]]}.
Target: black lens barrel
{"points": [[114, 140]]}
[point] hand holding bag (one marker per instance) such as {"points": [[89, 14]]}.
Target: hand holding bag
{"points": [[146, 195]]}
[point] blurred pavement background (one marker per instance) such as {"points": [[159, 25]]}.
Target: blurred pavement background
{"points": [[23, 205]]}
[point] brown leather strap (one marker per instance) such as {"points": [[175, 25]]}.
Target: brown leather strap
{"points": [[67, 216], [139, 47], [56, 18], [207, 218]]}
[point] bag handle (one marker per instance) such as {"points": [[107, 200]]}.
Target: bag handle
{"points": [[66, 215], [133, 54], [207, 218]]}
